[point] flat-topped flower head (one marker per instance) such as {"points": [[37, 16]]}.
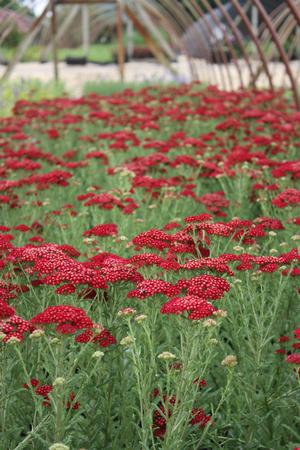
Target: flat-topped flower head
{"points": [[68, 318]]}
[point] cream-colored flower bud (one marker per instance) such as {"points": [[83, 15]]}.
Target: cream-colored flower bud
{"points": [[54, 341], [127, 340], [166, 355], [213, 341], [14, 340], [220, 313], [209, 323], [126, 312], [238, 248], [296, 237], [59, 381], [97, 355], [283, 244], [230, 361], [272, 233], [140, 318], [273, 250], [36, 334], [59, 446]]}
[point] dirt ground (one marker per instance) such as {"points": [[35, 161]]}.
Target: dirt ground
{"points": [[226, 77]]}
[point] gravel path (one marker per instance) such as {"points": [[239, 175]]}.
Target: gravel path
{"points": [[75, 77]]}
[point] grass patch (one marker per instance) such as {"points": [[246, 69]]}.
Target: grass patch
{"points": [[34, 90]]}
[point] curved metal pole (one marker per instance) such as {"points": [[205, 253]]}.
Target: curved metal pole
{"points": [[210, 70], [209, 29], [236, 33], [255, 40], [182, 21], [280, 48], [219, 23]]}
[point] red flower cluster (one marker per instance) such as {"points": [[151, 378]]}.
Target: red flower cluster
{"points": [[165, 410], [288, 197], [106, 229], [68, 318], [15, 327], [44, 390]]}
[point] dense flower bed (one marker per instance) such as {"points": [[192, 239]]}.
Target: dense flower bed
{"points": [[149, 254]]}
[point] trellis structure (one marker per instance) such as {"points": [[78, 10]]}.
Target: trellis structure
{"points": [[252, 33]]}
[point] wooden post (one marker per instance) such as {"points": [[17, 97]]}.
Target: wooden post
{"points": [[85, 30], [119, 25], [63, 28], [129, 30], [254, 22], [21, 49], [54, 45]]}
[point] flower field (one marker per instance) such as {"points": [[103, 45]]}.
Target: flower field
{"points": [[149, 296]]}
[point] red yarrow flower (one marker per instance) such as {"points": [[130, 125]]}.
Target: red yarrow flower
{"points": [[294, 358], [106, 229], [68, 318]]}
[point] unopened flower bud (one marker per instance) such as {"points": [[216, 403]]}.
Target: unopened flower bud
{"points": [[98, 355], [14, 340], [127, 340], [126, 312], [296, 237], [238, 248], [229, 361], [166, 355], [59, 381], [209, 323], [283, 244], [36, 334], [220, 313], [59, 446], [140, 318]]}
